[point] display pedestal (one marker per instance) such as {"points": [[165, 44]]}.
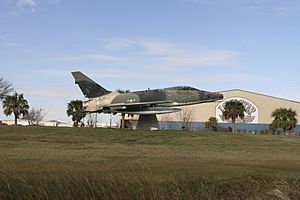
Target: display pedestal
{"points": [[147, 122]]}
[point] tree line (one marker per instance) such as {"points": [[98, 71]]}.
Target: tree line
{"points": [[16, 104], [284, 119]]}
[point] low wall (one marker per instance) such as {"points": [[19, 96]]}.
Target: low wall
{"points": [[200, 126]]}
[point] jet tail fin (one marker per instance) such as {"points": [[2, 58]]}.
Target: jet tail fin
{"points": [[88, 87]]}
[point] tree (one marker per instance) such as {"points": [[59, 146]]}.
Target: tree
{"points": [[284, 118], [35, 116], [233, 110], [185, 116], [76, 110], [15, 104], [92, 120], [212, 123], [5, 88]]}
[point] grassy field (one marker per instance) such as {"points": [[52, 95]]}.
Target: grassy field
{"points": [[86, 163]]}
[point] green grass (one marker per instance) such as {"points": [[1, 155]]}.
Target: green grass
{"points": [[87, 163]]}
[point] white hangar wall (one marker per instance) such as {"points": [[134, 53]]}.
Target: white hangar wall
{"points": [[259, 108]]}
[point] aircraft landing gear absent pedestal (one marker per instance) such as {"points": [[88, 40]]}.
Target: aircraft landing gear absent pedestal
{"points": [[147, 122]]}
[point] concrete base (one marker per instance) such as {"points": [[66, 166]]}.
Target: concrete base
{"points": [[147, 122]]}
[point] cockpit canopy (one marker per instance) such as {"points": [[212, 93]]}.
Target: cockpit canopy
{"points": [[183, 88]]}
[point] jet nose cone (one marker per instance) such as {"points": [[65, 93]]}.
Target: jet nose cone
{"points": [[219, 96]]}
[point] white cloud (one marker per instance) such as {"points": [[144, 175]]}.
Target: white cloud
{"points": [[200, 59], [269, 7], [53, 92], [155, 59], [6, 41], [10, 44], [117, 73], [118, 43], [54, 1], [202, 2], [27, 3], [260, 7], [169, 78], [155, 53], [52, 72], [2, 37], [31, 5], [99, 57], [213, 78]]}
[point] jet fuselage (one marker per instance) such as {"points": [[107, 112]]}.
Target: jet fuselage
{"points": [[164, 100]]}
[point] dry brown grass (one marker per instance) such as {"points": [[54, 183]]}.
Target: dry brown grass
{"points": [[110, 163]]}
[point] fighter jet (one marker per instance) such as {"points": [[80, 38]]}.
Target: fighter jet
{"points": [[146, 102]]}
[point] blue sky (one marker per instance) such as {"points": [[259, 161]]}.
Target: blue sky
{"points": [[137, 44]]}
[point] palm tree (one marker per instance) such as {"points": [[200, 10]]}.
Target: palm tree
{"points": [[284, 119], [76, 110], [5, 88], [212, 123], [15, 104], [233, 110]]}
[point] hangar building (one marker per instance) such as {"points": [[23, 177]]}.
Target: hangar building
{"points": [[259, 108]]}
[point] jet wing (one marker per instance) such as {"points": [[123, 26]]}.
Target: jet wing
{"points": [[190, 103], [130, 104], [144, 108], [151, 111]]}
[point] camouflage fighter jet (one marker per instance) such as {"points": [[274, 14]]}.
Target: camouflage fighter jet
{"points": [[147, 102]]}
